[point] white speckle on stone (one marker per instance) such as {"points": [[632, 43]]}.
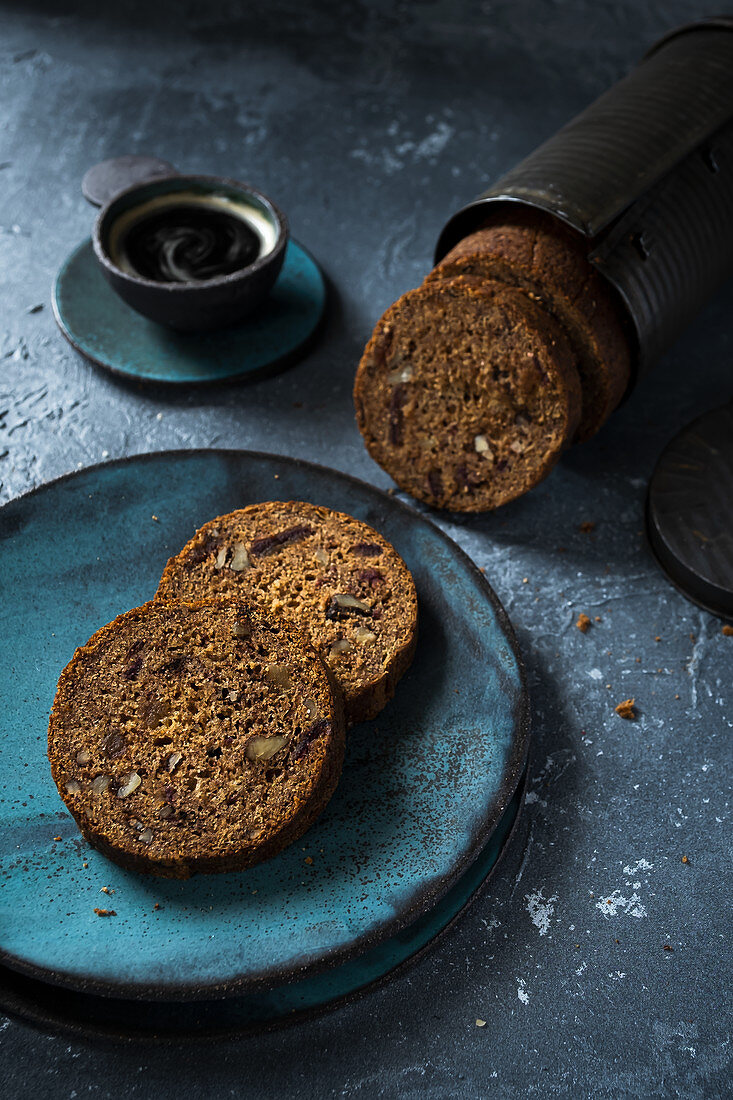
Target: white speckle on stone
{"points": [[436, 142], [522, 992], [158, 416], [640, 865], [540, 910], [532, 796], [581, 969], [595, 674], [614, 904]]}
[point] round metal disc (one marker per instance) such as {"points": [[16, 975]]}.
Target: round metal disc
{"points": [[102, 182], [690, 511]]}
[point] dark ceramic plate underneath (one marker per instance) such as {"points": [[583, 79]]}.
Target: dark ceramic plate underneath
{"points": [[112, 335], [423, 789]]}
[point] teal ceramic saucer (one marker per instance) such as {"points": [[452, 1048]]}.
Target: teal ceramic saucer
{"points": [[111, 334], [424, 785]]}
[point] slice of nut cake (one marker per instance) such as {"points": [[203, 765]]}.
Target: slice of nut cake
{"points": [[467, 393], [333, 575], [195, 737]]}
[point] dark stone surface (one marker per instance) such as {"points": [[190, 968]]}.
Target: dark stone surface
{"points": [[370, 124]]}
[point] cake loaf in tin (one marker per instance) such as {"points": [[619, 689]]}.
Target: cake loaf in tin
{"points": [[549, 262], [195, 737]]}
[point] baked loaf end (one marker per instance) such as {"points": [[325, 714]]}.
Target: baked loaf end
{"points": [[467, 393], [195, 737], [337, 578], [548, 261]]}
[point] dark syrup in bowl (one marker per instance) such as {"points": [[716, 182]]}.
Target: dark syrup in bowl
{"points": [[189, 238]]}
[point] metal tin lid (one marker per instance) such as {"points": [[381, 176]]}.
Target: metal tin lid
{"points": [[690, 512], [102, 182]]}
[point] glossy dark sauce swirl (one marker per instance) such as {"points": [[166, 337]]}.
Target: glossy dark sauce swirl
{"points": [[187, 243]]}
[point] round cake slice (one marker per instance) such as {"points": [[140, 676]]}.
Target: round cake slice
{"points": [[195, 737], [550, 263], [333, 575], [467, 393]]}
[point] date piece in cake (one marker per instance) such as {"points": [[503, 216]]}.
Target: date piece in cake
{"points": [[467, 393], [337, 578], [198, 737], [549, 262]]}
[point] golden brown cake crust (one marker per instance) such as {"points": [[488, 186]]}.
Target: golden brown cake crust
{"points": [[527, 250], [335, 576], [197, 737], [467, 393]]}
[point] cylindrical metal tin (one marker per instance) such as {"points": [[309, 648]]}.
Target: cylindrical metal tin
{"points": [[645, 174]]}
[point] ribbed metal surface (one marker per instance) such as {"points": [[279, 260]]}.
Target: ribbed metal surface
{"points": [[674, 247], [690, 511], [646, 174]]}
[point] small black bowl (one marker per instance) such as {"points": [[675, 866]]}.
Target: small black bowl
{"points": [[197, 305]]}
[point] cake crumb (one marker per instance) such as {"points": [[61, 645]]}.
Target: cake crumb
{"points": [[480, 1023], [155, 519], [685, 859], [626, 709], [668, 947], [728, 630], [57, 838], [105, 912], [657, 638], [583, 622], [587, 526], [597, 619], [105, 890], [309, 860], [156, 906]]}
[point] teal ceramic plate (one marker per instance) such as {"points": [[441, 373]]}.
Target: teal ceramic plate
{"points": [[55, 1009], [112, 335], [423, 789]]}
